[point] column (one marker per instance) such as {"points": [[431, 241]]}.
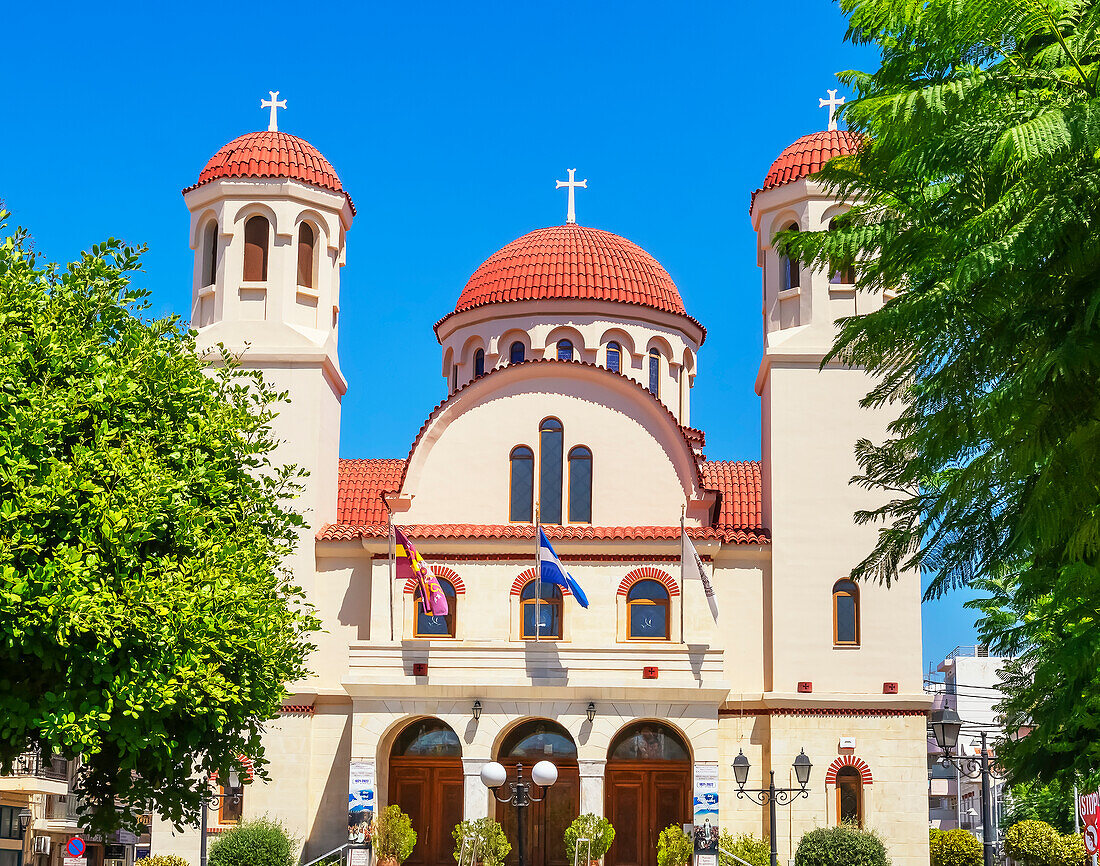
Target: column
{"points": [[592, 773], [475, 796]]}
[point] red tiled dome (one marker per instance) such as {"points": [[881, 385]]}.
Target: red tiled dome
{"points": [[807, 156], [574, 262], [271, 154]]}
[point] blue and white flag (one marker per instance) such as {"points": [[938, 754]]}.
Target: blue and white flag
{"points": [[552, 571]]}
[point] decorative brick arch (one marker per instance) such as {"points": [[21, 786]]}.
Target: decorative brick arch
{"points": [[439, 571], [849, 761], [648, 572], [526, 577]]}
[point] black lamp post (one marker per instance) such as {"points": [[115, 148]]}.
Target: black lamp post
{"points": [[771, 795], [215, 800], [24, 821], [543, 775], [946, 726]]}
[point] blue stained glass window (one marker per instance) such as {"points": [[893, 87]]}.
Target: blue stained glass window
{"points": [[479, 362], [655, 372], [517, 353], [551, 447], [522, 508], [565, 350], [580, 485], [614, 357]]}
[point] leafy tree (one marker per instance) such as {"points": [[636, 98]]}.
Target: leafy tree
{"points": [[254, 843], [492, 845], [954, 848], [394, 837], [748, 848], [674, 848], [847, 845], [596, 829], [1032, 801], [146, 622], [977, 213]]}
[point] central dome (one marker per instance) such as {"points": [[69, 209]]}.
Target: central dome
{"points": [[575, 263]]}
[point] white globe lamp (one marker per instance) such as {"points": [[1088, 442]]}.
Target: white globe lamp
{"points": [[544, 774], [493, 775]]}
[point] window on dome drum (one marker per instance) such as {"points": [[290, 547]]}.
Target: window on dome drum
{"points": [[655, 372], [845, 613], [522, 485], [479, 362], [437, 626], [647, 614], [614, 357], [517, 353], [580, 485], [846, 274], [565, 350], [849, 797], [549, 610], [255, 249], [454, 378], [551, 438], [791, 270], [231, 806], [210, 253], [306, 242]]}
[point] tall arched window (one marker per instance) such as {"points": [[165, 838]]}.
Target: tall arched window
{"points": [[437, 626], [255, 249], [845, 613], [551, 446], [565, 350], [517, 353], [522, 508], [210, 253], [849, 797], [845, 275], [614, 356], [655, 372], [549, 610], [792, 272], [306, 243], [647, 614], [479, 362], [580, 485]]}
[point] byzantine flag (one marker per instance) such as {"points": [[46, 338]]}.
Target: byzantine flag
{"points": [[409, 564], [691, 565], [552, 571]]}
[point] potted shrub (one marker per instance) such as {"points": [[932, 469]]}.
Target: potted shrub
{"points": [[254, 843], [746, 847], [674, 848], [487, 835], [847, 844], [954, 848], [393, 836], [589, 826]]}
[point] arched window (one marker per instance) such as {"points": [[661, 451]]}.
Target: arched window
{"points": [[580, 485], [522, 485], [846, 273], [565, 350], [255, 249], [655, 372], [210, 253], [517, 353], [306, 239], [790, 268], [479, 362], [647, 614], [538, 740], [849, 797], [551, 446], [549, 610], [429, 738], [648, 741], [614, 357], [845, 613], [436, 626]]}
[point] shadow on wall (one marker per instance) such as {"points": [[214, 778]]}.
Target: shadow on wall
{"points": [[356, 606], [330, 822], [543, 662]]}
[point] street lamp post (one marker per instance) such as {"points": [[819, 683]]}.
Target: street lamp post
{"points": [[543, 775], [771, 795], [213, 800], [946, 726]]}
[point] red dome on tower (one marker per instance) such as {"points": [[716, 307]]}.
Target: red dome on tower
{"points": [[808, 155]]}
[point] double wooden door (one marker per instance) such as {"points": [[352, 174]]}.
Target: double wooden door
{"points": [[429, 791], [545, 821], [642, 799]]}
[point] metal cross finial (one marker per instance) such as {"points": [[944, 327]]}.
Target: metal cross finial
{"points": [[274, 104], [834, 103], [571, 214]]}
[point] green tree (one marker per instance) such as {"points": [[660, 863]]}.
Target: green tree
{"points": [[976, 215], [1033, 801], [487, 838], [254, 843], [747, 848], [146, 622], [847, 845], [954, 848], [674, 848]]}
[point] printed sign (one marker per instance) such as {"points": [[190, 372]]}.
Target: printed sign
{"points": [[1088, 810], [360, 801], [705, 812], [75, 847], [358, 857], [74, 861]]}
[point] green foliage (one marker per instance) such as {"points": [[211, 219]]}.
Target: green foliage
{"points": [[748, 848], [394, 835], [254, 843], [1069, 851], [1035, 843], [492, 844], [142, 528], [840, 846], [977, 217], [674, 848], [1033, 801], [161, 860], [589, 826], [954, 848]]}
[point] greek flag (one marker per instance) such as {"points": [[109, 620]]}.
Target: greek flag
{"points": [[552, 571]]}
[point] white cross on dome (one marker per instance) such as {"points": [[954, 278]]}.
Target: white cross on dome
{"points": [[834, 102], [274, 104], [571, 212]]}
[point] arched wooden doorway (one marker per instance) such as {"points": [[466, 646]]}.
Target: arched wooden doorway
{"points": [[425, 780], [529, 743], [647, 788]]}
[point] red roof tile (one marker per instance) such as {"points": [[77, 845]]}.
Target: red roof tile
{"points": [[272, 154], [808, 155], [738, 482], [361, 484]]}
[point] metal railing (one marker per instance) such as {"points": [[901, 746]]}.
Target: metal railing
{"points": [[32, 764]]}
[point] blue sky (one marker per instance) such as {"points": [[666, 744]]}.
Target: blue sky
{"points": [[448, 123]]}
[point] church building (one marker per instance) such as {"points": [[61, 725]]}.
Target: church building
{"points": [[569, 359]]}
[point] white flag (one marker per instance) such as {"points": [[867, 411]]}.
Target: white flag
{"points": [[692, 567]]}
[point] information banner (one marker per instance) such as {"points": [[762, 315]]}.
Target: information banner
{"points": [[360, 801], [705, 814]]}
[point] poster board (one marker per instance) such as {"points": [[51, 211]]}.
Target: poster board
{"points": [[361, 801], [705, 814]]}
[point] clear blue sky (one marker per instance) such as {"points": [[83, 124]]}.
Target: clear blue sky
{"points": [[448, 123]]}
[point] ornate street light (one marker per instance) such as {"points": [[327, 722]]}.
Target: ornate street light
{"points": [[543, 775], [24, 821], [771, 795], [476, 710], [214, 800], [591, 711], [946, 726]]}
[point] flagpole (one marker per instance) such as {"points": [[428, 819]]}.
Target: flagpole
{"points": [[683, 597], [538, 574], [393, 555]]}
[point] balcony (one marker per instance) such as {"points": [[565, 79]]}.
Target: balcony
{"points": [[30, 774]]}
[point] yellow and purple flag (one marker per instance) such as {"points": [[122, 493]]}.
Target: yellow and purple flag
{"points": [[410, 564]]}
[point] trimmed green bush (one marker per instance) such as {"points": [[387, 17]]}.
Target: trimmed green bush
{"points": [[1031, 842], [262, 842], [492, 845], [748, 848], [954, 848], [162, 860], [841, 846], [589, 826], [394, 835], [674, 848], [1069, 851]]}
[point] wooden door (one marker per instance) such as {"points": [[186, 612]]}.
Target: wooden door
{"points": [[546, 821], [641, 799], [429, 791]]}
